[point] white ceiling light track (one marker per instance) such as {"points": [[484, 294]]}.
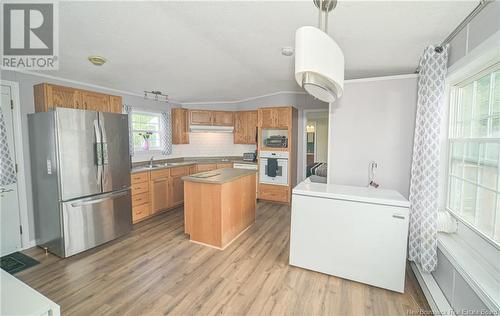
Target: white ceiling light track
{"points": [[319, 61]]}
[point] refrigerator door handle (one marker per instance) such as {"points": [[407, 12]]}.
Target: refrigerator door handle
{"points": [[104, 146], [104, 141], [102, 198], [99, 153]]}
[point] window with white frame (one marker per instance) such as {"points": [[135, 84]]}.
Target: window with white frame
{"points": [[474, 147], [144, 124]]}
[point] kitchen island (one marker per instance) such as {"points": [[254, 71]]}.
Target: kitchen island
{"points": [[219, 205]]}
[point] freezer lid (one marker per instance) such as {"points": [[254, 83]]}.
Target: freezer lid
{"points": [[351, 193], [77, 138]]}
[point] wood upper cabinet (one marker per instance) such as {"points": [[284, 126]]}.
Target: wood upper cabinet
{"points": [[200, 117], [222, 118], [49, 96], [267, 117], [279, 117], [95, 101], [208, 117], [245, 127], [251, 128], [283, 117], [115, 104], [180, 126]]}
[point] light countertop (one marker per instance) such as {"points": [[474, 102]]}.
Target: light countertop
{"points": [[219, 176], [179, 162]]}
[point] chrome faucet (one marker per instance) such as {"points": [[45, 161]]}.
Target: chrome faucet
{"points": [[151, 162]]}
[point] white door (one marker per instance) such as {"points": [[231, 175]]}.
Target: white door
{"points": [[10, 234]]}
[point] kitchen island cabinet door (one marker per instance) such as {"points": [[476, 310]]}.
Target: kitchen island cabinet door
{"points": [[160, 193]]}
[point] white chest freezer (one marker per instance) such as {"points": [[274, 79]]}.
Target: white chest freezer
{"points": [[354, 233]]}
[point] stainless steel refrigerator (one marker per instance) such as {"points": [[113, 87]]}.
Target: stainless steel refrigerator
{"points": [[81, 178]]}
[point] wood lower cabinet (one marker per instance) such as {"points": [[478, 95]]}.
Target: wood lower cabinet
{"points": [[160, 190], [157, 191], [177, 185], [192, 169], [277, 193], [49, 96], [180, 126], [206, 167], [141, 207], [224, 165]]}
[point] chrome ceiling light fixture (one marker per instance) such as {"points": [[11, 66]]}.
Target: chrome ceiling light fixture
{"points": [[319, 61]]}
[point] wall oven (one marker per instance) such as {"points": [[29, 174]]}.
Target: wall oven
{"points": [[273, 167]]}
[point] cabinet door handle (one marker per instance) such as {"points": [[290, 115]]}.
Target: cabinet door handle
{"points": [[398, 216]]}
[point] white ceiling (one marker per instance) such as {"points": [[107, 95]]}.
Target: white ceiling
{"points": [[228, 50]]}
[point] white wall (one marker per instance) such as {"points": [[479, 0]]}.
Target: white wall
{"points": [[374, 120]]}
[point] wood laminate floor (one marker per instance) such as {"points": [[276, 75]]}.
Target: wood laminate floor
{"points": [[156, 270]]}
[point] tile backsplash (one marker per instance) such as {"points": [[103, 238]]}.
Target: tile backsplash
{"points": [[201, 145]]}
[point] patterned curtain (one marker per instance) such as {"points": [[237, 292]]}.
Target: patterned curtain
{"points": [[127, 109], [424, 191], [7, 169], [166, 133]]}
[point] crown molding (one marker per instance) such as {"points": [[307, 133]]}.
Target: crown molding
{"points": [[348, 81], [90, 85]]}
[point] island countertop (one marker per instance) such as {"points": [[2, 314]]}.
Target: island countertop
{"points": [[219, 176]]}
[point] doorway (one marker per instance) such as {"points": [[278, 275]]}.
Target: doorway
{"points": [[316, 139], [11, 189]]}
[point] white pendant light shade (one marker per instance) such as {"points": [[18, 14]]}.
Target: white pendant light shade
{"points": [[319, 64]]}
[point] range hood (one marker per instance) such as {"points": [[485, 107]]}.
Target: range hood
{"points": [[210, 129]]}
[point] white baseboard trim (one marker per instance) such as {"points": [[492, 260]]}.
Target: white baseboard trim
{"points": [[30, 244], [435, 297]]}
